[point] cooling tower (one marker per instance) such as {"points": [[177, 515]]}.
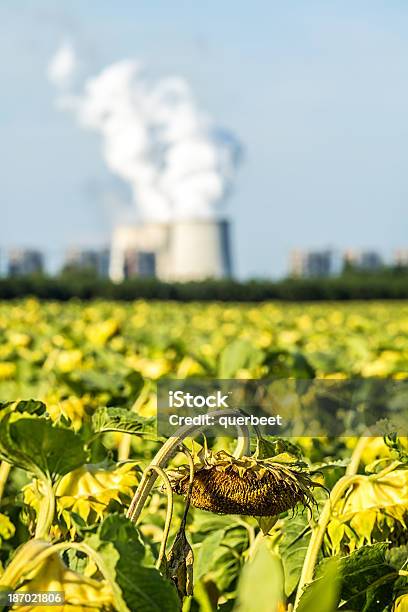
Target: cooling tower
{"points": [[199, 250], [141, 240], [182, 250]]}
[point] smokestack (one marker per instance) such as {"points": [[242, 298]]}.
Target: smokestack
{"points": [[199, 250]]}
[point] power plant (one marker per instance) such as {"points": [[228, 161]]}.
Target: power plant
{"points": [[178, 163], [176, 251]]}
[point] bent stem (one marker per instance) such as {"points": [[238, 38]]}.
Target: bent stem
{"points": [[23, 556], [190, 460], [13, 574], [167, 451], [319, 530], [316, 540], [353, 466], [169, 513], [5, 468]]}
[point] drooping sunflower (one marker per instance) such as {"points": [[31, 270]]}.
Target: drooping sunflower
{"points": [[80, 593], [36, 568], [249, 486], [88, 492], [375, 508]]}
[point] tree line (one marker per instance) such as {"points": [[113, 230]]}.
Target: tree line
{"points": [[388, 284]]}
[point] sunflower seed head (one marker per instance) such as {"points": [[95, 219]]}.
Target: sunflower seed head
{"points": [[247, 486]]}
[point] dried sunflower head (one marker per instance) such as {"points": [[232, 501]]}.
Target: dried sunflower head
{"points": [[248, 486]]}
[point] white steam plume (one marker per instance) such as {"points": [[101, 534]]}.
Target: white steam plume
{"points": [[176, 161], [62, 66]]}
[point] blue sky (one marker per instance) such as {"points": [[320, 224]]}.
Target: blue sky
{"points": [[317, 92]]}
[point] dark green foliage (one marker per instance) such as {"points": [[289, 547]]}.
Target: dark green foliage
{"points": [[385, 284]]}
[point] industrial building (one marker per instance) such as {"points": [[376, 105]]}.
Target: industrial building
{"points": [[304, 263], [362, 260], [23, 262], [325, 263], [401, 258], [93, 260], [176, 251]]}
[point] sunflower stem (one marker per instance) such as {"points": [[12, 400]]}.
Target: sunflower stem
{"points": [[255, 544], [353, 466], [47, 510], [190, 460], [169, 513], [318, 532], [389, 468], [21, 562], [242, 448], [251, 535], [202, 597], [5, 468], [126, 439]]}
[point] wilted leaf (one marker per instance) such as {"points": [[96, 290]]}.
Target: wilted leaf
{"points": [[179, 565]]}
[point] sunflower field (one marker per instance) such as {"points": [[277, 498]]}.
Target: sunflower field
{"points": [[99, 512]]}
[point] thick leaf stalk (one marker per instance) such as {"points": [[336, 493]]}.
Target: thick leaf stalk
{"points": [[47, 510], [319, 530]]}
